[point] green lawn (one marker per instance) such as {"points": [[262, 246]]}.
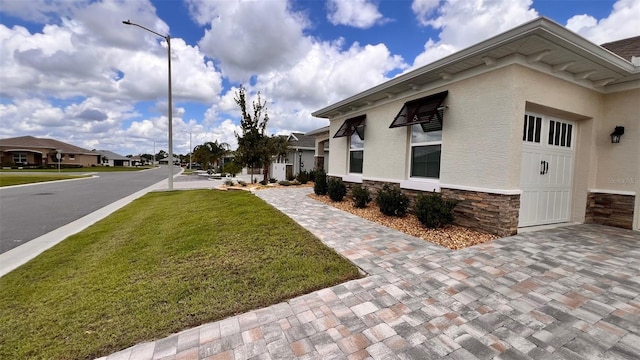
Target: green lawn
{"points": [[19, 179], [166, 262]]}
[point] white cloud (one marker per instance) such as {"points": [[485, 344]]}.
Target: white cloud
{"points": [[40, 10], [84, 73], [79, 78], [361, 14], [251, 37], [621, 23], [79, 58], [464, 23], [424, 8], [326, 74]]}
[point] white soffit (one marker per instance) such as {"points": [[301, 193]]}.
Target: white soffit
{"points": [[544, 44]]}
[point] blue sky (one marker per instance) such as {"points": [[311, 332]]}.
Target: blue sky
{"points": [[72, 71]]}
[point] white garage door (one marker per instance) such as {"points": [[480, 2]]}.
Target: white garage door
{"points": [[547, 170]]}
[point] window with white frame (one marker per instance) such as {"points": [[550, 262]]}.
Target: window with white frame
{"points": [[356, 151], [20, 158], [353, 128], [426, 143], [72, 156], [425, 117]]}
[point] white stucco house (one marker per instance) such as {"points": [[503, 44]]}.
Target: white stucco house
{"points": [[109, 158], [519, 128], [300, 157]]}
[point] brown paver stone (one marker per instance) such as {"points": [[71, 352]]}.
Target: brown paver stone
{"points": [[569, 292]]}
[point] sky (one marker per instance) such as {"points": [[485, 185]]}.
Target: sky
{"points": [[72, 71]]}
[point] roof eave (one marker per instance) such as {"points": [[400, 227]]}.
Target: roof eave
{"points": [[542, 25]]}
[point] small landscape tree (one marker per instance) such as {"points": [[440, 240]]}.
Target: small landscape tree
{"points": [[253, 149]]}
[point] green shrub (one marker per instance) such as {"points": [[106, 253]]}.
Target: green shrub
{"points": [[303, 177], [336, 189], [232, 168], [392, 201], [284, 183], [242, 183], [263, 182], [291, 177], [433, 211], [228, 182], [272, 180], [361, 196], [312, 175], [320, 183]]}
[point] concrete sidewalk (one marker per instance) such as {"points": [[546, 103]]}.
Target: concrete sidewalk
{"points": [[565, 293]]}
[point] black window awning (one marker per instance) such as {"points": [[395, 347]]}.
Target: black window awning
{"points": [[427, 111], [350, 126]]}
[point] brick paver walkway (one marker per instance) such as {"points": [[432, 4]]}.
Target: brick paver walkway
{"points": [[567, 293]]}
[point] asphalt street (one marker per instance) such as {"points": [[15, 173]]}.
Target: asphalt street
{"points": [[27, 212]]}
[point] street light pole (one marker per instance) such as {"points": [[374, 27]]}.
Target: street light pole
{"points": [[168, 39], [190, 152]]}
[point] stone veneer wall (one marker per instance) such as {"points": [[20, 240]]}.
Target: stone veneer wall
{"points": [[492, 213], [610, 209], [318, 162]]}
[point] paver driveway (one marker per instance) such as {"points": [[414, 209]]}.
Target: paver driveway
{"points": [[571, 292]]}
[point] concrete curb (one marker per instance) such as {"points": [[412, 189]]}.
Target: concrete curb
{"points": [[89, 176]]}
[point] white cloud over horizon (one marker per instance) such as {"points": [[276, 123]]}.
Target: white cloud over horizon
{"points": [[86, 77], [361, 14]]}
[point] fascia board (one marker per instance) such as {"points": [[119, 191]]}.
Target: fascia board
{"points": [[542, 26]]}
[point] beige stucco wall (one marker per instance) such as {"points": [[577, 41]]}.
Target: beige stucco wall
{"points": [[618, 165], [482, 135], [476, 123], [477, 146]]}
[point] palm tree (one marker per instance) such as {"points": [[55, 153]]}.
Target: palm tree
{"points": [[209, 153]]}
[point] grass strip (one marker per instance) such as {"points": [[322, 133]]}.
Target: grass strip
{"points": [[89, 169], [15, 179], [166, 262]]}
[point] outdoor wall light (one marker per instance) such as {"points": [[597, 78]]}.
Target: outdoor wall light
{"points": [[617, 134]]}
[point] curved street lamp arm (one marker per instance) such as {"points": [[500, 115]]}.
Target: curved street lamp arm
{"points": [[169, 98], [128, 22]]}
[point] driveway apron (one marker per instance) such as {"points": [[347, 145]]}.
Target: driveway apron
{"points": [[566, 293]]}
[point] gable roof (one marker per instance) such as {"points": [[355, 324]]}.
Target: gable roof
{"points": [[319, 131], [110, 155], [43, 143], [541, 44], [625, 48], [300, 140]]}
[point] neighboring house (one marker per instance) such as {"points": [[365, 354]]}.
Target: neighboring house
{"points": [[302, 152], [109, 158], [165, 161], [519, 128], [320, 147], [300, 157], [29, 151], [139, 161]]}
